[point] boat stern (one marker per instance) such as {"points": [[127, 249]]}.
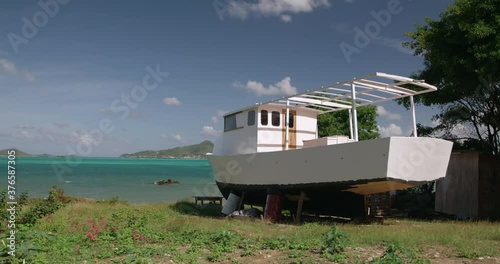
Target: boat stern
{"points": [[418, 159]]}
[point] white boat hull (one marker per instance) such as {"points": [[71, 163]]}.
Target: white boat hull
{"points": [[362, 168]]}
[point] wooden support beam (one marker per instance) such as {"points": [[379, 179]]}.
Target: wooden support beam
{"points": [[299, 206]]}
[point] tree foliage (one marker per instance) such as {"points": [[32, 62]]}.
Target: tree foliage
{"points": [[337, 123], [461, 54]]}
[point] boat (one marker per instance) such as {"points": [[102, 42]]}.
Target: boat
{"points": [[165, 182], [272, 149]]}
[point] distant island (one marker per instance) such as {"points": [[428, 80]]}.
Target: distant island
{"points": [[19, 153], [197, 151]]}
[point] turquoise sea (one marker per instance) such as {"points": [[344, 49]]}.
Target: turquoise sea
{"points": [[103, 178]]}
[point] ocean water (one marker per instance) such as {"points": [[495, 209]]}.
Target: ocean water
{"points": [[104, 178]]}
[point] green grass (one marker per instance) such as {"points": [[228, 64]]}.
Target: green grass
{"points": [[465, 238], [116, 232]]}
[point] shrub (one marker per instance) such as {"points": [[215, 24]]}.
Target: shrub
{"points": [[43, 207], [226, 240], [335, 241], [398, 255]]}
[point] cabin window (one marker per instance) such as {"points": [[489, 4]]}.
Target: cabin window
{"points": [[230, 122], [275, 118], [264, 117], [251, 118], [290, 120]]}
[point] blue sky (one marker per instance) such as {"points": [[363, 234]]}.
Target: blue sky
{"points": [[65, 65]]}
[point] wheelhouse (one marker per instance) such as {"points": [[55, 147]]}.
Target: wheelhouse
{"points": [[264, 128]]}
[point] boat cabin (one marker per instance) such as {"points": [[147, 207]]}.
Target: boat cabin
{"points": [[263, 128]]}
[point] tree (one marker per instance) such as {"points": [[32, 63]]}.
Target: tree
{"points": [[337, 123], [461, 54]]}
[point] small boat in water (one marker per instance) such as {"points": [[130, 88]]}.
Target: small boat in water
{"points": [[163, 182], [273, 148]]}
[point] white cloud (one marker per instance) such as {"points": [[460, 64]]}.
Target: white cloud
{"points": [[26, 75], [381, 111], [392, 43], [179, 138], [10, 68], [61, 125], [79, 137], [281, 8], [47, 133], [282, 87], [286, 18], [209, 131], [26, 134], [26, 126], [218, 115], [436, 122], [22, 132], [391, 130], [19, 134], [176, 137], [171, 101], [343, 28], [83, 138]]}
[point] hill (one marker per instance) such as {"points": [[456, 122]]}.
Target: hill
{"points": [[197, 151], [19, 153]]}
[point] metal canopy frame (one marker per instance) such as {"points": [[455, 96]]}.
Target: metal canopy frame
{"points": [[348, 95], [367, 90]]}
